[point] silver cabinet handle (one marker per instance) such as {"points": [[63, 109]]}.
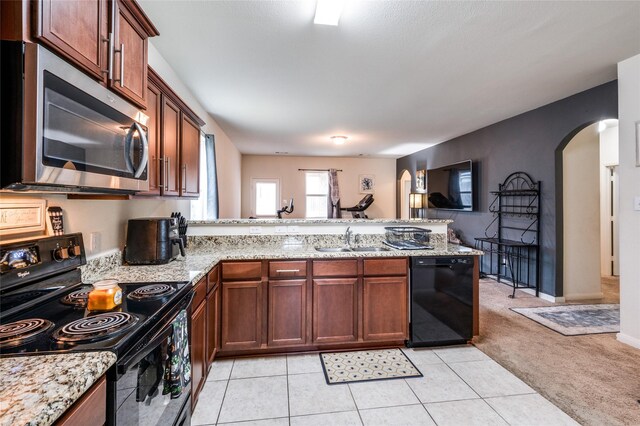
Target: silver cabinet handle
{"points": [[110, 64], [184, 180], [166, 173], [282, 271], [121, 51], [158, 185]]}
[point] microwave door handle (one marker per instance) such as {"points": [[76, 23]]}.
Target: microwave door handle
{"points": [[145, 151], [127, 148]]}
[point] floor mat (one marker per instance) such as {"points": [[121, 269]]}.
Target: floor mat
{"points": [[362, 366], [575, 320]]}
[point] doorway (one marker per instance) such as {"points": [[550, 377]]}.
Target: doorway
{"points": [[590, 210], [405, 190]]}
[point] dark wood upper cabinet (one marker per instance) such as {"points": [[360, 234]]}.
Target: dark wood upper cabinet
{"points": [[154, 104], [76, 30], [189, 158], [106, 39], [170, 146]]}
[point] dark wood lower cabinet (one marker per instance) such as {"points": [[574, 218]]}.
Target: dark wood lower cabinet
{"points": [[287, 312], [198, 353], [213, 315], [241, 315], [384, 308], [335, 310], [90, 409]]}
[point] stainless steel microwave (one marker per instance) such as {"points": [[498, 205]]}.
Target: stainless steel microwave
{"points": [[63, 131]]}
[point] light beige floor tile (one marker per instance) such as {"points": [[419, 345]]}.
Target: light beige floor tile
{"points": [[220, 370], [259, 367], [422, 356], [440, 383], [461, 354], [529, 410], [310, 394], [298, 364], [346, 418], [472, 412], [408, 415], [382, 393], [209, 403], [255, 399], [488, 378], [283, 421]]}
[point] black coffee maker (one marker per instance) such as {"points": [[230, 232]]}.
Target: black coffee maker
{"points": [[152, 241]]}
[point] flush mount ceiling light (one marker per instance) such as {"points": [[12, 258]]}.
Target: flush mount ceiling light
{"points": [[339, 140], [328, 12]]}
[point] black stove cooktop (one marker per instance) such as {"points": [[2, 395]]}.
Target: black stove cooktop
{"points": [[62, 323]]}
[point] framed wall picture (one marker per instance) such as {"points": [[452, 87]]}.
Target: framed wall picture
{"points": [[367, 184], [20, 216], [420, 180]]}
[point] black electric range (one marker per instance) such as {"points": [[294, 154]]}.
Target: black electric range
{"points": [[43, 310]]}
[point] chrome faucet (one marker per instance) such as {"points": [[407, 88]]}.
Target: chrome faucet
{"points": [[347, 236]]}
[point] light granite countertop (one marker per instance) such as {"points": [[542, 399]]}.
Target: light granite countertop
{"points": [[204, 256], [345, 221], [36, 390]]}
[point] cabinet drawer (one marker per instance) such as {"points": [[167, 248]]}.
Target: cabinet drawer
{"points": [[241, 271], [212, 279], [385, 267], [200, 291], [288, 269], [335, 268]]}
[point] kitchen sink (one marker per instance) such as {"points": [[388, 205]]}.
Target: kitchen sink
{"points": [[346, 249]]}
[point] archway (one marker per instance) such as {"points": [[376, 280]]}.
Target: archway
{"points": [[585, 195], [404, 188]]}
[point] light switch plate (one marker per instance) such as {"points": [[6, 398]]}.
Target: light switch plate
{"points": [[255, 230], [636, 203]]}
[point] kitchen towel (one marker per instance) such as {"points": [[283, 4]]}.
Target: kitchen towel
{"points": [[177, 374]]}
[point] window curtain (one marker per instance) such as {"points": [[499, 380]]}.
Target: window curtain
{"points": [[333, 204], [213, 209]]}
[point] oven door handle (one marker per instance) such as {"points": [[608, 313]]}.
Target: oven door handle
{"points": [[138, 355]]}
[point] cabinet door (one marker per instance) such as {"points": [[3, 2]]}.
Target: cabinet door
{"points": [[77, 30], [198, 361], [130, 58], [335, 306], [241, 315], [170, 143], [213, 323], [153, 136], [287, 312], [384, 308], [189, 158]]}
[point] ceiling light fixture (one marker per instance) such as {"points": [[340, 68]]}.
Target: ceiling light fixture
{"points": [[339, 140], [328, 12]]}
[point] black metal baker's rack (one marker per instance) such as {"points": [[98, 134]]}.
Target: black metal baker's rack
{"points": [[512, 239]]}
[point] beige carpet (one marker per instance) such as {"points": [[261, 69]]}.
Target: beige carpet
{"points": [[594, 378]]}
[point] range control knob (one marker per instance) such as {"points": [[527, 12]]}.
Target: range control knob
{"points": [[74, 250], [60, 254]]}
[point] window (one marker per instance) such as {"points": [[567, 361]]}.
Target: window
{"points": [[206, 206], [265, 194], [317, 189]]}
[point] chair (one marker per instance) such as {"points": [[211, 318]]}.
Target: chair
{"points": [[357, 211]]}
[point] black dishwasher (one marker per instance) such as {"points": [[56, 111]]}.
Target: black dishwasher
{"points": [[441, 300]]}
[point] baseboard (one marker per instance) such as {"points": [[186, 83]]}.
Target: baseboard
{"points": [[543, 296], [628, 340], [584, 296]]}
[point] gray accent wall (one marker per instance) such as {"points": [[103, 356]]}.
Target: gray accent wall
{"points": [[529, 142]]}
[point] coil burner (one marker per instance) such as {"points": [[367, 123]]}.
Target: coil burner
{"points": [[151, 292], [20, 332], [77, 298], [95, 327]]}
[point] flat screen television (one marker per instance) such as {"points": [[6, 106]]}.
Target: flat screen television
{"points": [[451, 187]]}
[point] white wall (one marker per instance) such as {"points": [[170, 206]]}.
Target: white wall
{"points": [[292, 182], [629, 115], [581, 205], [227, 155], [608, 161]]}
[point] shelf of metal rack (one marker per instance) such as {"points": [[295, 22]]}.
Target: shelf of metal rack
{"points": [[511, 241]]}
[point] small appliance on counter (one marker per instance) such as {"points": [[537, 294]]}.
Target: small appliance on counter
{"points": [[407, 238], [153, 241]]}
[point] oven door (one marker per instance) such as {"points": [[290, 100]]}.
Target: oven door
{"points": [[86, 136], [154, 382]]}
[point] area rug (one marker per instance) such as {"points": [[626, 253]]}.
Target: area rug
{"points": [[575, 320], [362, 366]]}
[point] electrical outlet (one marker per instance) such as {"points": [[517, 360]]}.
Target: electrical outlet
{"points": [[636, 203], [293, 229], [95, 240], [281, 229], [255, 230]]}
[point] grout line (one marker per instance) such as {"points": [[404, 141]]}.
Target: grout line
{"points": [[249, 421], [463, 380], [355, 403], [286, 369], [225, 393]]}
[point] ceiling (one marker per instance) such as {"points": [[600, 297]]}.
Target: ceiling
{"points": [[394, 76]]}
